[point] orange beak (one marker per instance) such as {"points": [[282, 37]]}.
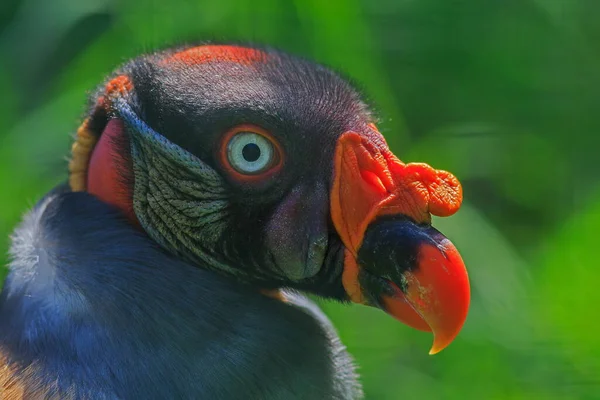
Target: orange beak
{"points": [[381, 209]]}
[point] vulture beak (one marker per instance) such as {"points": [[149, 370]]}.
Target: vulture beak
{"points": [[394, 259]]}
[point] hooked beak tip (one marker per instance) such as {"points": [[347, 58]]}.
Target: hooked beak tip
{"points": [[440, 291], [430, 293]]}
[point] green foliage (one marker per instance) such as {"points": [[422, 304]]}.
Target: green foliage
{"points": [[502, 93]]}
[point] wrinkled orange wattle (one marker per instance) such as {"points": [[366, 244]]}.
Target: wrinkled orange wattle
{"points": [[370, 182]]}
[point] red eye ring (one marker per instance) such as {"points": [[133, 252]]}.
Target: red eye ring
{"points": [[272, 167]]}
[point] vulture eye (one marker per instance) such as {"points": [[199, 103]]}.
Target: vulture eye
{"points": [[250, 152]]}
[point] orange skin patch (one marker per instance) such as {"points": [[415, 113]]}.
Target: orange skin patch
{"points": [[370, 182], [274, 294], [214, 53], [119, 85], [81, 151]]}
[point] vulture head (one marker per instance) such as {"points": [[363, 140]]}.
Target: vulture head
{"points": [[269, 169]]}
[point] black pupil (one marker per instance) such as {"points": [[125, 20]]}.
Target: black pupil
{"points": [[251, 152]]}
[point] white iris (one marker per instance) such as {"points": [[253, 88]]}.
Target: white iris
{"points": [[249, 153]]}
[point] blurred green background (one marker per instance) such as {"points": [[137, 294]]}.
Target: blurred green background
{"points": [[503, 93]]}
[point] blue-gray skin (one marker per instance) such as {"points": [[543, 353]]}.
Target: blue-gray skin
{"points": [[93, 308]]}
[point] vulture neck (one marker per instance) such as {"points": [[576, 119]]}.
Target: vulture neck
{"points": [[87, 288]]}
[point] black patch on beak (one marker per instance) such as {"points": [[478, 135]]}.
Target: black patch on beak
{"points": [[390, 248]]}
